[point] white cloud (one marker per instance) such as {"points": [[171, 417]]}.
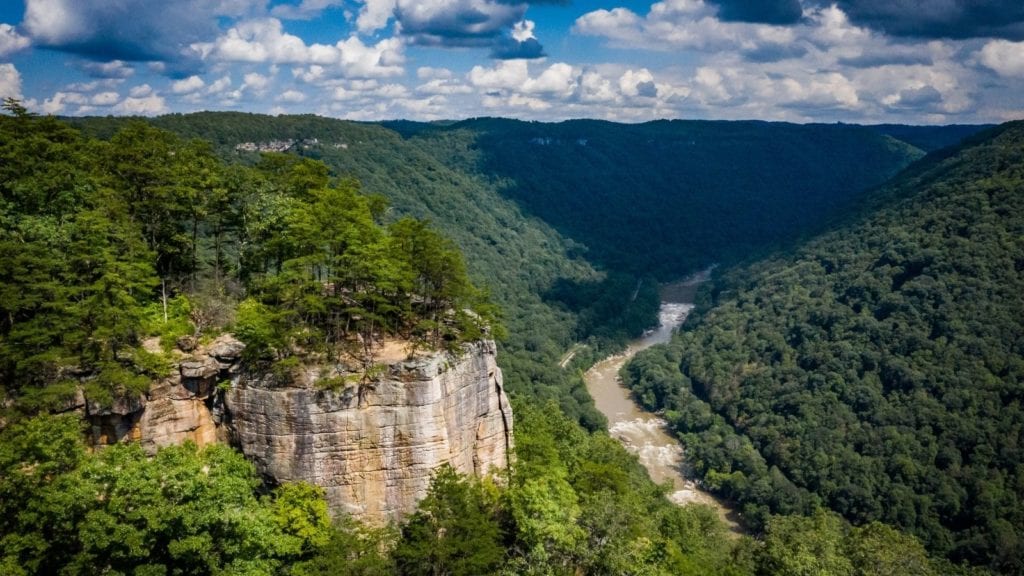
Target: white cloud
{"points": [[384, 58], [1003, 56], [262, 40], [60, 100], [675, 24], [140, 91], [506, 75], [443, 86], [523, 30], [11, 41], [255, 81], [94, 85], [265, 41], [291, 96], [375, 14], [53, 21], [144, 106], [594, 88], [112, 69], [10, 81], [312, 75], [370, 89], [631, 83], [104, 99], [188, 85], [514, 76], [427, 72], [219, 85]]}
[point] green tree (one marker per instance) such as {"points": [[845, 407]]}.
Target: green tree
{"points": [[454, 531]]}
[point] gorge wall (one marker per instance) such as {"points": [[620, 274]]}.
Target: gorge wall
{"points": [[372, 445]]}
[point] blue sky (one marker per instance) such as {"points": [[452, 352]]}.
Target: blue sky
{"points": [[868, 61]]}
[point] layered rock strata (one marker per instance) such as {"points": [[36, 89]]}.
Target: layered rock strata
{"points": [[373, 445]]}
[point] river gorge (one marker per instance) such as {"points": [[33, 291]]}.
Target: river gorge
{"points": [[643, 433]]}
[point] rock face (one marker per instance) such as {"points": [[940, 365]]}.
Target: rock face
{"points": [[373, 446], [184, 406]]}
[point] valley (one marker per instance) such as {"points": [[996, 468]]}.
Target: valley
{"points": [[316, 242], [644, 434]]}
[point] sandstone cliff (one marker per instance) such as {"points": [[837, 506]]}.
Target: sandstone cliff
{"points": [[371, 446]]}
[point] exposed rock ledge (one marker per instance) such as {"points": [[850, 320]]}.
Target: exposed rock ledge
{"points": [[371, 447], [373, 450]]}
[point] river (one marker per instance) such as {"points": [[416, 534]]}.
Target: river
{"points": [[641, 432]]}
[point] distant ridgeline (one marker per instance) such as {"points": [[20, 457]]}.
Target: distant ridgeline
{"points": [[537, 207], [877, 369], [106, 243]]}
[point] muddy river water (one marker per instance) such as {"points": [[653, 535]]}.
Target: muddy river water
{"points": [[642, 432]]}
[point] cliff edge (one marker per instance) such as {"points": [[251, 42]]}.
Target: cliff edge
{"points": [[371, 445]]}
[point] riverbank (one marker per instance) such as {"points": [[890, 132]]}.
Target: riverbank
{"points": [[644, 433]]}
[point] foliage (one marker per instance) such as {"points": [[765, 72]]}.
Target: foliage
{"points": [[878, 369], [185, 511], [106, 242]]}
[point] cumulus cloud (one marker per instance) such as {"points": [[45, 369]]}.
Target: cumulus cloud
{"points": [[112, 69], [375, 15], [428, 72], [265, 41], [219, 85], [519, 43], [255, 81], [369, 90], [916, 98], [457, 22], [11, 41], [188, 85], [150, 105], [129, 30], [685, 24], [523, 30], [1005, 57], [940, 19], [291, 96], [140, 91], [60, 100], [494, 24], [104, 99], [10, 81]]}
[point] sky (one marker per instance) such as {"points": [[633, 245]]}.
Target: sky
{"points": [[859, 61]]}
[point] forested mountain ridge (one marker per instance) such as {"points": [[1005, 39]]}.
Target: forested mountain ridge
{"points": [[117, 252], [877, 369], [96, 231], [668, 197], [536, 207], [515, 256]]}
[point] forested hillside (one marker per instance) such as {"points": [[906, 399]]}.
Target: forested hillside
{"points": [[878, 369], [569, 224], [517, 258], [668, 197], [108, 245]]}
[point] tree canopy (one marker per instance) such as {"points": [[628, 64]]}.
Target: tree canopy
{"points": [[878, 369]]}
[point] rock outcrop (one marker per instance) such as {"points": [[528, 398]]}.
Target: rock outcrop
{"points": [[183, 406], [372, 443], [373, 446]]}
